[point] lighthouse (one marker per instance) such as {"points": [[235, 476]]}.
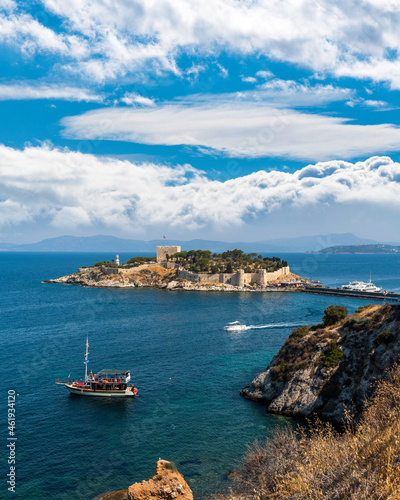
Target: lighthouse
{"points": [[117, 260]]}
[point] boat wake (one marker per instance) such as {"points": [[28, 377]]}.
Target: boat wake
{"points": [[273, 325]]}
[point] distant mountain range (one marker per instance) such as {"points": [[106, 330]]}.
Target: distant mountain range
{"points": [[379, 248], [112, 244]]}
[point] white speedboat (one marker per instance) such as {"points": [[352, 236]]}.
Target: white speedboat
{"points": [[235, 326], [361, 286]]}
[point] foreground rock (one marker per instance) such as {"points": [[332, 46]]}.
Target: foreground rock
{"points": [[167, 483], [331, 369]]}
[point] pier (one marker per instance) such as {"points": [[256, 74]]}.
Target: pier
{"points": [[339, 292]]}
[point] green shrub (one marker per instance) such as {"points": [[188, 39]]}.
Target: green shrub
{"points": [[300, 332], [159, 477], [333, 314], [280, 372], [362, 308], [99, 264], [332, 355], [384, 337], [316, 327], [229, 268], [171, 466]]}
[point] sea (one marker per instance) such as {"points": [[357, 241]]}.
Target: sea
{"points": [[188, 371]]}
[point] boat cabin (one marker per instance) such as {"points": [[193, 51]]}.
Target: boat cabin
{"points": [[109, 380]]}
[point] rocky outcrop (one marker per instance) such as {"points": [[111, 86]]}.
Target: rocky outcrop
{"points": [[167, 483], [329, 370], [98, 277]]}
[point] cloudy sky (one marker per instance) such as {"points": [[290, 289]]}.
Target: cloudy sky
{"points": [[220, 119]]}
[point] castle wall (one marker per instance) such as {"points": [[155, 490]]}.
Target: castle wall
{"points": [[239, 279], [205, 277], [109, 270]]}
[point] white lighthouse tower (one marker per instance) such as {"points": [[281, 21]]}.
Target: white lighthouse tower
{"points": [[117, 260]]}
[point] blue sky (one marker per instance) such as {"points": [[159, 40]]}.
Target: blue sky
{"points": [[251, 119]]}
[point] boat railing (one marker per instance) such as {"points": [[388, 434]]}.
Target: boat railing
{"points": [[63, 381]]}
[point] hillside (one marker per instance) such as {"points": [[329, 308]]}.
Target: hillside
{"points": [[104, 243], [362, 249], [328, 369], [359, 463]]}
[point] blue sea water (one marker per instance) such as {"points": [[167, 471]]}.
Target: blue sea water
{"points": [[188, 371]]}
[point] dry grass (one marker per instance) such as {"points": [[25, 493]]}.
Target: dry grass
{"points": [[322, 463], [290, 277]]}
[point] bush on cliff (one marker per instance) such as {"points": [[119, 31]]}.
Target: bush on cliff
{"points": [[300, 332], [333, 314], [280, 372], [359, 463], [332, 355], [384, 337]]}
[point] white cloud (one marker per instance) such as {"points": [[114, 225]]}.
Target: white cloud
{"points": [[62, 188], [105, 40], [24, 33], [375, 104], [237, 128], [264, 74], [7, 5], [26, 91], [131, 98], [224, 71], [370, 103], [249, 79]]}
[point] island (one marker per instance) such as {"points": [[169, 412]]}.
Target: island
{"points": [[362, 249], [174, 269]]}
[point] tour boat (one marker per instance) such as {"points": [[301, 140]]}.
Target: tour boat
{"points": [[110, 383], [235, 326], [361, 286]]}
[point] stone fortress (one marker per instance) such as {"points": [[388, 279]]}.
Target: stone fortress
{"points": [[261, 277]]}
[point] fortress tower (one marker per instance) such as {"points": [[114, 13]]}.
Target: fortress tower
{"points": [[162, 252]]}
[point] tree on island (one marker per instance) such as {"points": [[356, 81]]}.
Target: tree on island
{"points": [[229, 268]]}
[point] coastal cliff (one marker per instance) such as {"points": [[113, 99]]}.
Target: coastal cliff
{"points": [[326, 370]]}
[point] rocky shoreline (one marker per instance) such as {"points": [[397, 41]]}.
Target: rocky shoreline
{"points": [[167, 483], [155, 277], [328, 371]]}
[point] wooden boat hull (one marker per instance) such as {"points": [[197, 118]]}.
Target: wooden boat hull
{"points": [[80, 391]]}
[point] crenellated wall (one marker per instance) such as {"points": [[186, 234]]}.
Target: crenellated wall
{"points": [[239, 279]]}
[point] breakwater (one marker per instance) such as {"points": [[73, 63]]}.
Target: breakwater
{"points": [[389, 297]]}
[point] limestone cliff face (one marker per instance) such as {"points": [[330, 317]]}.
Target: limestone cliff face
{"points": [[327, 370], [142, 276], [99, 277], [167, 483]]}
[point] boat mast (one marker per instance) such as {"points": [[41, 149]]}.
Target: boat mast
{"points": [[86, 358]]}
